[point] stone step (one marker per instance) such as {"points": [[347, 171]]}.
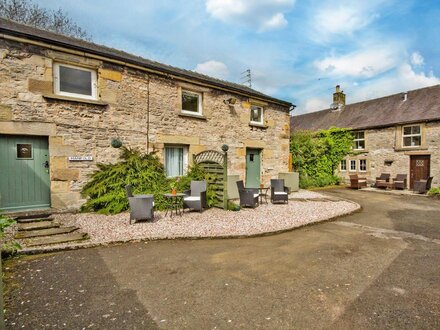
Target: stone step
{"points": [[45, 232], [33, 220], [33, 216], [37, 225], [55, 239]]}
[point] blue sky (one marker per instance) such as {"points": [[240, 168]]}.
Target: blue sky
{"points": [[297, 50]]}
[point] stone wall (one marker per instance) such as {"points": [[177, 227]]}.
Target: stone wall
{"points": [[127, 98], [385, 144]]}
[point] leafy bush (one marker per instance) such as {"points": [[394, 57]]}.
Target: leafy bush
{"points": [[12, 246], [434, 192], [233, 207], [316, 155], [106, 189]]}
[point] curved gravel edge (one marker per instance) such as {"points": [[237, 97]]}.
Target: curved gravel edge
{"points": [[89, 244]]}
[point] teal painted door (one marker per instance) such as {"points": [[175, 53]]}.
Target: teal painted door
{"points": [[24, 168], [252, 168]]}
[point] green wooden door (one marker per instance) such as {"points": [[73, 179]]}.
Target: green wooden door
{"points": [[252, 168], [24, 168]]}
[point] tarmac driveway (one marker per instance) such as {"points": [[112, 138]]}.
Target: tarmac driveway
{"points": [[378, 268]]}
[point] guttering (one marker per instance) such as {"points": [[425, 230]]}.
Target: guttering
{"points": [[119, 60]]}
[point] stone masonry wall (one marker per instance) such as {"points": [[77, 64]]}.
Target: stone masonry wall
{"points": [[385, 145], [28, 106]]}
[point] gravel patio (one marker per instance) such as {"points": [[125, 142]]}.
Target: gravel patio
{"points": [[304, 207]]}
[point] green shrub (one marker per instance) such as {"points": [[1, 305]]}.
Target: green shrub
{"points": [[106, 189], [434, 192], [106, 194], [233, 207]]}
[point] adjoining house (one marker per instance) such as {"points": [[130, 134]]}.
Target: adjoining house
{"points": [[63, 100], [396, 134]]}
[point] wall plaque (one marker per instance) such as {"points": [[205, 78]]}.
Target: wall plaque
{"points": [[80, 158]]}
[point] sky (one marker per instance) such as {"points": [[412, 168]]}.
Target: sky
{"points": [[297, 51]]}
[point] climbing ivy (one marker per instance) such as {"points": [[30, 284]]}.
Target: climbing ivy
{"points": [[316, 155]]}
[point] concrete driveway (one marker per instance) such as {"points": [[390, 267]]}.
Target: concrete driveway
{"points": [[378, 268]]}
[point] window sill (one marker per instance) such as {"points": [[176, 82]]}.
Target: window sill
{"points": [[73, 99], [251, 124], [411, 148], [190, 115]]}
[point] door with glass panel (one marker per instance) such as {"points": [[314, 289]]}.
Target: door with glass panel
{"points": [[24, 173]]}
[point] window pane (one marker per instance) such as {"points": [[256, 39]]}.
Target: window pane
{"points": [[24, 151], [363, 165], [359, 135], [416, 141], [353, 165], [174, 161], [407, 141], [256, 113], [190, 102], [75, 81], [361, 144], [407, 130], [343, 165], [415, 129]]}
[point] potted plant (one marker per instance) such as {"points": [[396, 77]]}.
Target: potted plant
{"points": [[173, 185]]}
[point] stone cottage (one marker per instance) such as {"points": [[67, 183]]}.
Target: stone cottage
{"points": [[63, 100], [396, 134]]}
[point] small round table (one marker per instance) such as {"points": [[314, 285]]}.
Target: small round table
{"points": [[174, 203], [262, 192]]}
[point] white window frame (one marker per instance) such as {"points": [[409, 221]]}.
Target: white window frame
{"points": [[185, 157], [352, 161], [56, 78], [360, 167], [411, 136], [261, 122], [340, 165], [357, 140], [199, 103]]}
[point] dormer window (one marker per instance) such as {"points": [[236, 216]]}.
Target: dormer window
{"points": [[75, 81]]}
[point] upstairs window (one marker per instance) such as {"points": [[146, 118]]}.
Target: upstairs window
{"points": [[256, 115], [343, 165], [412, 136], [191, 102], [75, 81], [359, 140]]}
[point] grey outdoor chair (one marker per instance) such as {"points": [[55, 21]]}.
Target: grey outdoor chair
{"points": [[399, 181], [248, 196], [278, 191], [141, 206], [196, 197], [422, 186]]}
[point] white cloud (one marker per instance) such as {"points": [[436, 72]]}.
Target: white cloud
{"points": [[344, 17], [417, 59], [263, 14], [214, 69], [316, 104], [365, 63]]}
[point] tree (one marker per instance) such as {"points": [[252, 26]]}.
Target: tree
{"points": [[27, 12]]}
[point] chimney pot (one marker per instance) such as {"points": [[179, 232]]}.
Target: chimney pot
{"points": [[339, 97]]}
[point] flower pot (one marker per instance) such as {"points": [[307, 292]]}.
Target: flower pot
{"points": [[173, 191]]}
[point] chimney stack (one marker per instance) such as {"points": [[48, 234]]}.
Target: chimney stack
{"points": [[339, 97]]}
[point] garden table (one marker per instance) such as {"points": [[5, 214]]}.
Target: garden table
{"points": [[174, 202], [263, 192]]}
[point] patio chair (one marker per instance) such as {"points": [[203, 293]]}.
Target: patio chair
{"points": [[278, 191], [248, 196], [356, 182], [422, 186], [383, 180], [141, 206], [399, 181], [195, 198]]}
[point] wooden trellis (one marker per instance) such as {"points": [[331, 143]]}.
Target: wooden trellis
{"points": [[215, 163]]}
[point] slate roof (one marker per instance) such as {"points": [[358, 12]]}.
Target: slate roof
{"points": [[421, 105], [24, 31]]}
